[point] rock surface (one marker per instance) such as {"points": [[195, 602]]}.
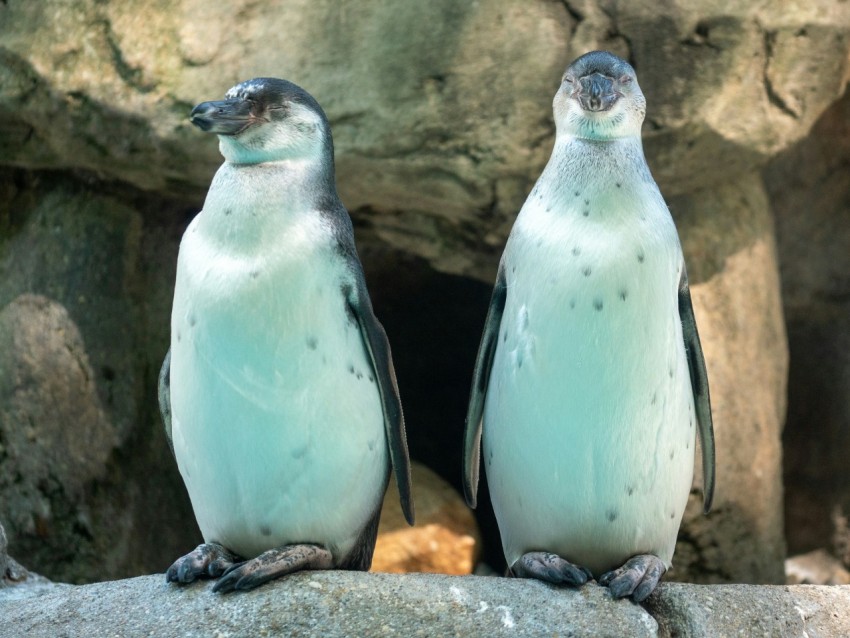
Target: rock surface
{"points": [[809, 188], [441, 112], [334, 604], [731, 254], [445, 539], [816, 568]]}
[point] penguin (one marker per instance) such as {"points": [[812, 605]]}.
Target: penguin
{"points": [[278, 392], [590, 381]]}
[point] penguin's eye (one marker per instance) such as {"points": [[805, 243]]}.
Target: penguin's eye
{"points": [[568, 79], [626, 79]]}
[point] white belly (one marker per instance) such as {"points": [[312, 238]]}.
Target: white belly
{"points": [[276, 416], [589, 421]]}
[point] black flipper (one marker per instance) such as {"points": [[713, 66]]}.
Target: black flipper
{"points": [[699, 385], [165, 397], [378, 347], [480, 379]]}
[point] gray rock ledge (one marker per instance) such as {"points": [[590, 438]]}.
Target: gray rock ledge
{"points": [[331, 604]]}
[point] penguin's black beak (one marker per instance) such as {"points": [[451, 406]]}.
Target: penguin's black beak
{"points": [[223, 117], [596, 92]]}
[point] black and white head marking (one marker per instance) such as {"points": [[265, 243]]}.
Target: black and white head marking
{"points": [[599, 98], [266, 119]]}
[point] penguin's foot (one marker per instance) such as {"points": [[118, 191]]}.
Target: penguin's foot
{"points": [[273, 564], [637, 578], [208, 560], [550, 568]]}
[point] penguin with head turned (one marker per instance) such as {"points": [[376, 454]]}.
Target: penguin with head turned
{"points": [[590, 382], [278, 392]]}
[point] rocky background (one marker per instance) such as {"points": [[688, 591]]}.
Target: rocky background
{"points": [[441, 113]]}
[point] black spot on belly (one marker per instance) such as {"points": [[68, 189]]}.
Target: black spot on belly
{"points": [[255, 274], [576, 251], [623, 293], [324, 359], [371, 379], [672, 454], [586, 213], [539, 243], [597, 303], [350, 369], [641, 256], [586, 271], [513, 269], [572, 303], [670, 372], [178, 336], [611, 515], [618, 184], [312, 343], [576, 193], [359, 375], [265, 530], [654, 398], [504, 336], [548, 209], [227, 211], [672, 515], [192, 320], [630, 490]]}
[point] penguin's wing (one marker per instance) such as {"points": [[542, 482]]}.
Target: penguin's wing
{"points": [[699, 386], [165, 397], [480, 379], [378, 348]]}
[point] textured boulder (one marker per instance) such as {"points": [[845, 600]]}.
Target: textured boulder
{"points": [[729, 247], [333, 604], [809, 187], [442, 120], [445, 539], [86, 480], [441, 112]]}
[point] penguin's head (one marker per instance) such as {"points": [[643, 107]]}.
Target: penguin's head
{"points": [[599, 98], [266, 119]]}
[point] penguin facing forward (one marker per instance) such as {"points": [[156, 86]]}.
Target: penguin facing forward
{"points": [[590, 380], [278, 393]]}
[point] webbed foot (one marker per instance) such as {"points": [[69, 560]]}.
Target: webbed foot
{"points": [[208, 560], [550, 568], [273, 564], [637, 578]]}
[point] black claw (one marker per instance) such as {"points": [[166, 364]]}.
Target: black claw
{"points": [[225, 584], [574, 575], [637, 578], [622, 586], [643, 591], [205, 561], [550, 568]]}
